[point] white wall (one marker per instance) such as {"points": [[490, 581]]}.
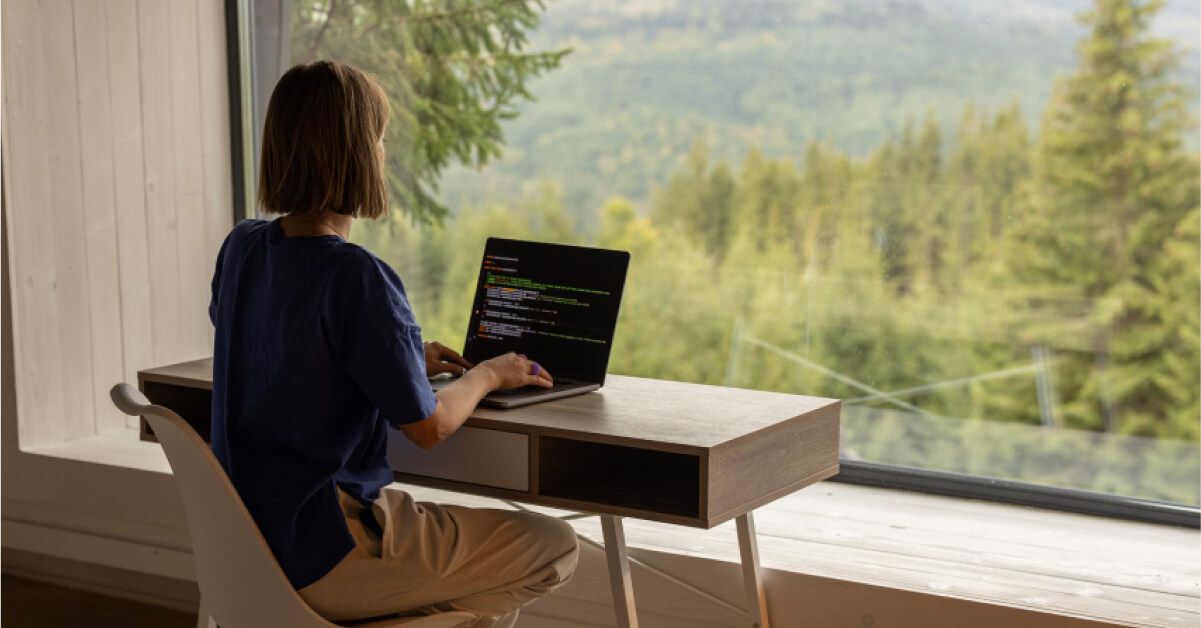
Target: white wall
{"points": [[118, 192]]}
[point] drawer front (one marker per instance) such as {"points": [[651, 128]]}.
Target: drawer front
{"points": [[472, 454]]}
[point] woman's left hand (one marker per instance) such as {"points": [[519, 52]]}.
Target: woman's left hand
{"points": [[442, 359]]}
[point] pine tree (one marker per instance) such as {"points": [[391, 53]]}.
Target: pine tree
{"points": [[987, 170], [766, 199], [1115, 184], [698, 199], [453, 70], [883, 191], [910, 219], [927, 209], [826, 213]]}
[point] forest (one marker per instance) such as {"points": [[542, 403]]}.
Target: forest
{"points": [[987, 296]]}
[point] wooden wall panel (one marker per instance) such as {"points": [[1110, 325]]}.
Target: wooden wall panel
{"points": [[218, 177], [154, 35], [27, 185], [116, 184], [194, 269], [66, 216], [100, 242], [133, 256]]}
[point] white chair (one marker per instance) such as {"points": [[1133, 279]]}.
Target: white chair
{"points": [[241, 585]]}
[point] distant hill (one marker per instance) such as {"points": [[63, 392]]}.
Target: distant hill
{"points": [[649, 77]]}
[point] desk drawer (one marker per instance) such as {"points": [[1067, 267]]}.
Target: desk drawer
{"points": [[472, 454]]}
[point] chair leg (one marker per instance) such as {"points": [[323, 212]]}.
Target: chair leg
{"points": [[203, 619]]}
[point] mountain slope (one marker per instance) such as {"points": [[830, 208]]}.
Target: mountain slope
{"points": [[647, 78]]}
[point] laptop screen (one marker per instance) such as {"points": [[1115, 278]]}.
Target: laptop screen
{"points": [[555, 303]]}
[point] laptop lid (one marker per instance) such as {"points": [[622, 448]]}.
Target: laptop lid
{"points": [[556, 303]]}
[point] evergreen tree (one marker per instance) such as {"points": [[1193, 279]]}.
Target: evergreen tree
{"points": [[453, 70], [826, 182], [766, 199], [987, 170], [698, 199], [889, 230], [1154, 380], [910, 221], [1114, 183], [927, 211]]}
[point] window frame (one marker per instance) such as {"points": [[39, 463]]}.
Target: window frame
{"points": [[239, 56], [952, 484]]}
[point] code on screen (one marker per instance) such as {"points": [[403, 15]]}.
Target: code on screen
{"points": [[558, 304]]}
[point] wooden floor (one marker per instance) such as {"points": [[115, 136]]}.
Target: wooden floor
{"points": [[29, 604]]}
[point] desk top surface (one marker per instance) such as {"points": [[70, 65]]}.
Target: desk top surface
{"points": [[670, 415]]}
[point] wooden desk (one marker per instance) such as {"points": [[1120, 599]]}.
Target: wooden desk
{"points": [[666, 451]]}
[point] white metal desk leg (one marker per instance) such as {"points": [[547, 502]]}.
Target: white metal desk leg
{"points": [[752, 576], [619, 571]]}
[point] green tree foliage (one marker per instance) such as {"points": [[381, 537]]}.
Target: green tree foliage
{"points": [[1114, 183], [453, 69], [697, 200], [766, 201], [990, 163], [1158, 358]]}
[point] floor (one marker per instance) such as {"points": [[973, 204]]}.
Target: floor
{"points": [[29, 604], [1055, 562], [1003, 556]]}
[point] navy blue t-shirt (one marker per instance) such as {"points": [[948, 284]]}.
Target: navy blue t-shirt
{"points": [[316, 352]]}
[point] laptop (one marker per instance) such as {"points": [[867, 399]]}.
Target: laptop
{"points": [[555, 303]]}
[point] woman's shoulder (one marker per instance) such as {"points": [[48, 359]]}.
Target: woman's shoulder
{"points": [[247, 223], [247, 228], [360, 263], [250, 225], [238, 239], [364, 281]]}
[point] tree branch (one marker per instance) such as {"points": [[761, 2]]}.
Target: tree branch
{"points": [[317, 39]]}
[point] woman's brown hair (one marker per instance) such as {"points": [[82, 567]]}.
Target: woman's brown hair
{"points": [[320, 143]]}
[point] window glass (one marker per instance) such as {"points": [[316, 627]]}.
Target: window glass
{"points": [[975, 222]]}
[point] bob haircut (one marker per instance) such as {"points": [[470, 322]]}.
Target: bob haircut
{"points": [[321, 143]]}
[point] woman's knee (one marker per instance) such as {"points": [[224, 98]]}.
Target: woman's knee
{"points": [[560, 547], [563, 536], [555, 536]]}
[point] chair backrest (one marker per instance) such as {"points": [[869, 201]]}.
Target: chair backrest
{"points": [[241, 584]]}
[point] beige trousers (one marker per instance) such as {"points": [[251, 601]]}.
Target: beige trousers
{"points": [[435, 557]]}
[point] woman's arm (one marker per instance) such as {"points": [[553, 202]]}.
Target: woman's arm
{"points": [[459, 399]]}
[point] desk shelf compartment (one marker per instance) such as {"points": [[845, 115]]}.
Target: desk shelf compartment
{"points": [[194, 405], [613, 475]]}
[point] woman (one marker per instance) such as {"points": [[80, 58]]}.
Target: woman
{"points": [[317, 353]]}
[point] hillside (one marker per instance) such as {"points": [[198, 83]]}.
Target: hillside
{"points": [[647, 78]]}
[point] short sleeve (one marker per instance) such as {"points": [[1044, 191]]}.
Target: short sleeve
{"points": [[217, 281], [375, 339]]}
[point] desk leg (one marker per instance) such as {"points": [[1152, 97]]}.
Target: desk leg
{"points": [[619, 571], [752, 576]]}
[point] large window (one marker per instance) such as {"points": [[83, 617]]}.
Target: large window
{"points": [[976, 223]]}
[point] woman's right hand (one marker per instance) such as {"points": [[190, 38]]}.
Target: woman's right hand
{"points": [[513, 370]]}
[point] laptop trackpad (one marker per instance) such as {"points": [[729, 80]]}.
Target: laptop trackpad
{"points": [[524, 395], [527, 395]]}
